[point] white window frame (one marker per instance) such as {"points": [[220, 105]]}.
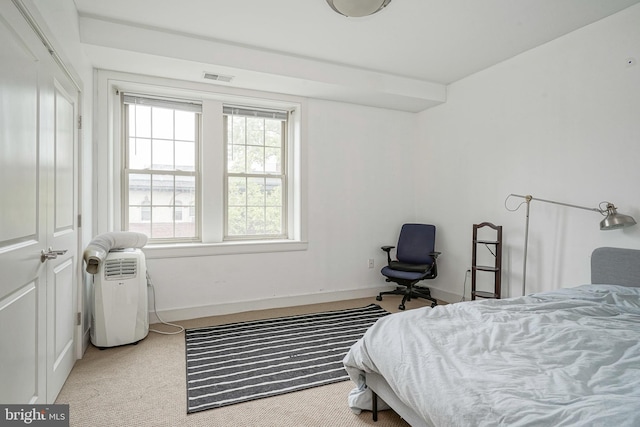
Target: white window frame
{"points": [[283, 175], [176, 104], [108, 162]]}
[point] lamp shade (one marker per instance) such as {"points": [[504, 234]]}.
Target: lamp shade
{"points": [[615, 220], [357, 8]]}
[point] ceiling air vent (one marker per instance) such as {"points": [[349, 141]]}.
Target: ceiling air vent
{"points": [[218, 77]]}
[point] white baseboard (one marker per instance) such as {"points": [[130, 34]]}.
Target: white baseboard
{"points": [[187, 313], [86, 339], [444, 295]]}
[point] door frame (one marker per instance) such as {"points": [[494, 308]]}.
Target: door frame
{"points": [[32, 17]]}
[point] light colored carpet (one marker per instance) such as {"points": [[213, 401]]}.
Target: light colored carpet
{"points": [[144, 384]]}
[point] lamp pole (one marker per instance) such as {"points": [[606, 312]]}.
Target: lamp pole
{"points": [[613, 221], [528, 199]]}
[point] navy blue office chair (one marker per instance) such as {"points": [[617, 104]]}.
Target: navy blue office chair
{"points": [[416, 261]]}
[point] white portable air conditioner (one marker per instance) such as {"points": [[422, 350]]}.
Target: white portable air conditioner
{"points": [[120, 303]]}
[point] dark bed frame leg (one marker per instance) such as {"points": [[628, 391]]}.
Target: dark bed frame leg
{"points": [[374, 405]]}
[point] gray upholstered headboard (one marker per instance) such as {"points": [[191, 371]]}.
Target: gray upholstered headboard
{"points": [[615, 266]]}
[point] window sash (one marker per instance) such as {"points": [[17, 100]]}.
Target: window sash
{"points": [[150, 208], [180, 230], [228, 113]]}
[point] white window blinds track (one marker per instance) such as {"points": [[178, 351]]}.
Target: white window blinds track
{"points": [[174, 104], [254, 112]]}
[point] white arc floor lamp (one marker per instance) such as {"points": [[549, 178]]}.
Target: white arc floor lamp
{"points": [[613, 220]]}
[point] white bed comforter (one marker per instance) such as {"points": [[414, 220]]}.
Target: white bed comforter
{"points": [[567, 357]]}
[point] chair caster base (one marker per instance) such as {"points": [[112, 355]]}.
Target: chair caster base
{"points": [[378, 298], [401, 306]]}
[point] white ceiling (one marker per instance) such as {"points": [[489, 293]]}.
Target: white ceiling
{"points": [[403, 56]]}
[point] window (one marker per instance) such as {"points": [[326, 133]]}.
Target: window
{"points": [[255, 172], [161, 167], [200, 169]]}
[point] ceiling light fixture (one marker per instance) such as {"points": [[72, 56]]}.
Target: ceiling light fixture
{"points": [[357, 8]]}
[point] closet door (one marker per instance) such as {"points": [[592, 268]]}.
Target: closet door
{"points": [[23, 197], [38, 181], [62, 233]]}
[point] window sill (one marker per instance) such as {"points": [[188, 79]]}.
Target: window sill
{"points": [[180, 250]]}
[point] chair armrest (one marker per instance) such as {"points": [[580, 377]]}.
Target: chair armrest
{"points": [[435, 254], [387, 249]]}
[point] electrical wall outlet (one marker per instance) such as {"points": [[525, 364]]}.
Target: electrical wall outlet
{"points": [[371, 263]]}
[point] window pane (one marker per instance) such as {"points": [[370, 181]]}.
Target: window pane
{"points": [[255, 147], [185, 190], [162, 205], [237, 191], [162, 123], [177, 211], [185, 155], [162, 222], [162, 154], [139, 153], [273, 192], [162, 190], [272, 162], [236, 159], [139, 189], [136, 223], [185, 125], [186, 197], [255, 192], [255, 159], [255, 220], [255, 131], [237, 222], [140, 121], [273, 218], [273, 130], [185, 229], [238, 131]]}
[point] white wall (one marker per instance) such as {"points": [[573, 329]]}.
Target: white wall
{"points": [[537, 124], [559, 122], [359, 191]]}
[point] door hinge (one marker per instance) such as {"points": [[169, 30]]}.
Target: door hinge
{"points": [[80, 122], [79, 221], [78, 318]]}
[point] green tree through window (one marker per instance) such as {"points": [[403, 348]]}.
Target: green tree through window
{"points": [[255, 141]]}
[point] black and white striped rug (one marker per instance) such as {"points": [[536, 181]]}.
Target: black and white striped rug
{"points": [[244, 361]]}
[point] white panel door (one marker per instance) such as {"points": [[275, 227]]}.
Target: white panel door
{"points": [[38, 187], [63, 237], [23, 227]]}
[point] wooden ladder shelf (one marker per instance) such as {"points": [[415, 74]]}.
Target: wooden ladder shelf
{"points": [[495, 269]]}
